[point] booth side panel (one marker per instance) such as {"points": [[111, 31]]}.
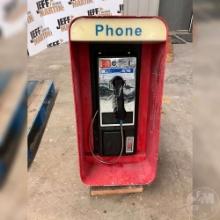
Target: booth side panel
{"points": [[75, 60], [156, 90], [85, 93], [144, 98]]}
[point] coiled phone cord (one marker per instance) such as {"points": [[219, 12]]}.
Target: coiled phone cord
{"points": [[97, 158]]}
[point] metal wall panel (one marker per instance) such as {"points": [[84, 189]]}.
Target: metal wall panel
{"points": [[177, 13], [141, 7]]}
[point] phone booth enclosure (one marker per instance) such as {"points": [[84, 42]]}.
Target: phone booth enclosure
{"points": [[139, 168]]}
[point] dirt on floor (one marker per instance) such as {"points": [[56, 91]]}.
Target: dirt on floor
{"points": [[55, 190]]}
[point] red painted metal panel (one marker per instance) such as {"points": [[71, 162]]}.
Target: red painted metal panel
{"points": [[137, 169]]}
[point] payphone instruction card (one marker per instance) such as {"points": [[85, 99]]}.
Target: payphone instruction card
{"points": [[124, 67]]}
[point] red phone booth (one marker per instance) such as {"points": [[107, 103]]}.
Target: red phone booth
{"points": [[118, 68]]}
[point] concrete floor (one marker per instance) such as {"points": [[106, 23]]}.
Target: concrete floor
{"points": [[54, 187]]}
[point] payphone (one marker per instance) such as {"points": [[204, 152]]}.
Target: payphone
{"points": [[118, 68], [115, 70]]}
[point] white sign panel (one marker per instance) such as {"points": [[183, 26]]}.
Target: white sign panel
{"points": [[48, 20]]}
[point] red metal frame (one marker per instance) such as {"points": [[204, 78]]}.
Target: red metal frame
{"points": [[138, 169]]}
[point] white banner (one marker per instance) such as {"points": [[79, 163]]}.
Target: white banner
{"points": [[48, 20]]}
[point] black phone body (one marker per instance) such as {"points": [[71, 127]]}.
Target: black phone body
{"points": [[115, 103]]}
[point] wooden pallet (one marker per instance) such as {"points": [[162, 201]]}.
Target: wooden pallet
{"points": [[41, 97], [114, 190]]}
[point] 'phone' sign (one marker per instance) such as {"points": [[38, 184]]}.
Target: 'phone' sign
{"points": [[107, 30], [117, 29]]}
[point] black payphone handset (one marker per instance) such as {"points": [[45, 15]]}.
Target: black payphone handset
{"points": [[118, 100], [115, 70], [118, 105]]}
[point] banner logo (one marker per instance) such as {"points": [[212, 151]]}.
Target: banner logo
{"points": [[30, 17], [39, 34], [63, 23], [47, 7], [121, 9], [77, 3], [55, 43], [99, 11]]}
